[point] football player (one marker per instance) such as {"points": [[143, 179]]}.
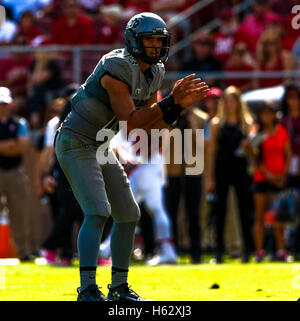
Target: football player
{"points": [[122, 87]]}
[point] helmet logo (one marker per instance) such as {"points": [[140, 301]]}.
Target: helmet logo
{"points": [[135, 23]]}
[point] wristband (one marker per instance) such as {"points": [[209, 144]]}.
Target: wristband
{"points": [[172, 114], [166, 103]]}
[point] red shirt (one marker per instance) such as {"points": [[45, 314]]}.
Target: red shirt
{"points": [[273, 154], [83, 32], [223, 46]]}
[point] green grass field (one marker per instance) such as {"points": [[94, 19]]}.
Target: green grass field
{"points": [[184, 282]]}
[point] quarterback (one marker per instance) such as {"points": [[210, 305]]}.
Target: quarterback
{"points": [[122, 87]]}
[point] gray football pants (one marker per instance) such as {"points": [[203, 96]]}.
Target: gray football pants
{"points": [[99, 189]]}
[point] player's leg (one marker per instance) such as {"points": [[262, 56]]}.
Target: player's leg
{"points": [[105, 247], [80, 166], [126, 213]]}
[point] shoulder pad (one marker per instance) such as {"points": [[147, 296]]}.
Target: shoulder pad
{"points": [[120, 65]]}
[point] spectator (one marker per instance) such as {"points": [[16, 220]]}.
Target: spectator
{"points": [[27, 28], [203, 60], [240, 60], [271, 57], [257, 21], [7, 29], [291, 121], [73, 28], [108, 26], [270, 175], [44, 80], [276, 27], [224, 38], [14, 141], [228, 165]]}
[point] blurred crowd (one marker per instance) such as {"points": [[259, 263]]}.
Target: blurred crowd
{"points": [[261, 39], [256, 151]]}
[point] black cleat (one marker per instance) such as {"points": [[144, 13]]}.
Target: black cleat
{"points": [[122, 293], [91, 293]]}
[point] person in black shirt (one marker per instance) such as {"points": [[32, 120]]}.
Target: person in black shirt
{"points": [[229, 130]]}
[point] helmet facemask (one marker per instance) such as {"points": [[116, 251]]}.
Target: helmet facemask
{"points": [[164, 49]]}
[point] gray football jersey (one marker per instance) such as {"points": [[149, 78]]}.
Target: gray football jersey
{"points": [[91, 108]]}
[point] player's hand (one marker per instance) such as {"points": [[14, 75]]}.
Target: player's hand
{"points": [[196, 92], [184, 87]]}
